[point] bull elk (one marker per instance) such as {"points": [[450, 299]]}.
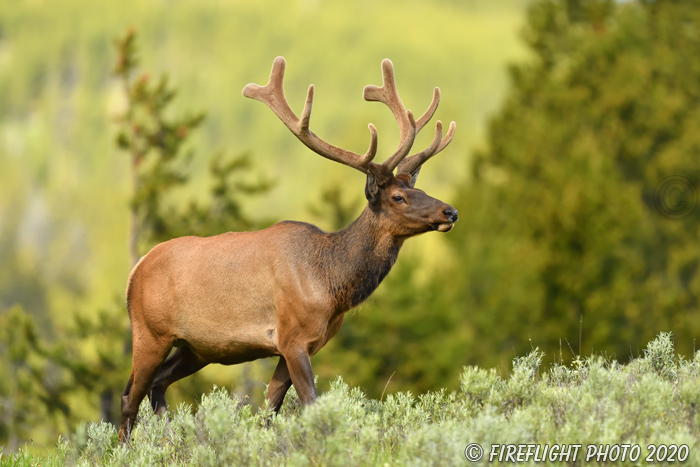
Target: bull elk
{"points": [[282, 291]]}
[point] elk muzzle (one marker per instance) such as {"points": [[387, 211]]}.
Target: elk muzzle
{"points": [[451, 216]]}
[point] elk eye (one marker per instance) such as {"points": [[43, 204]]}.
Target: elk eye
{"points": [[397, 198]]}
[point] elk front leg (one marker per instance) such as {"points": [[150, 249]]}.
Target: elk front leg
{"points": [[299, 367]]}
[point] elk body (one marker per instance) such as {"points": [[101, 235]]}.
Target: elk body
{"points": [[282, 291]]}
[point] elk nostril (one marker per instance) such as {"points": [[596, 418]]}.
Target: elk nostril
{"points": [[451, 214]]}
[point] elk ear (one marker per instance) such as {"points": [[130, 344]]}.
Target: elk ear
{"points": [[376, 178], [414, 177], [409, 178], [371, 188]]}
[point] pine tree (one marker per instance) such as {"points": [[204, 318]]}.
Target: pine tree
{"points": [[571, 227]]}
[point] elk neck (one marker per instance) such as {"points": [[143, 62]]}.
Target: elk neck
{"points": [[357, 258]]}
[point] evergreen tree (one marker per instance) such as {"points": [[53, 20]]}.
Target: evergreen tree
{"points": [[571, 228], [156, 144]]}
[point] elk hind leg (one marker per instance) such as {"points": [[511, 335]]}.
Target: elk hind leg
{"points": [[148, 357], [180, 364], [279, 385], [127, 390]]}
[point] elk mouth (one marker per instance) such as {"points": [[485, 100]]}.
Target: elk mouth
{"points": [[442, 226]]}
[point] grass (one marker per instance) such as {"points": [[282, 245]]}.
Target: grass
{"points": [[654, 399]]}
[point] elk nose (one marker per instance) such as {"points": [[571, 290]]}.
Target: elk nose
{"points": [[451, 214]]}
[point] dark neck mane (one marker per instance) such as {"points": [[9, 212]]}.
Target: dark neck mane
{"points": [[357, 259]]}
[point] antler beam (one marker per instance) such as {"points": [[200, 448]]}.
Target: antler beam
{"points": [[272, 95]]}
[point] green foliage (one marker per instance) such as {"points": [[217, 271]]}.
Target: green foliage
{"points": [[602, 402], [562, 237], [18, 348], [43, 374], [155, 143], [335, 210]]}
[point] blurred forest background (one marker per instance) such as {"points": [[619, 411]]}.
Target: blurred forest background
{"points": [[570, 114]]}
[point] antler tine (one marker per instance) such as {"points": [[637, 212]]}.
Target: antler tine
{"points": [[413, 163], [448, 137], [433, 149], [272, 95], [425, 118], [389, 95], [409, 164]]}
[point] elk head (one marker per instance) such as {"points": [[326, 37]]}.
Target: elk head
{"points": [[404, 209]]}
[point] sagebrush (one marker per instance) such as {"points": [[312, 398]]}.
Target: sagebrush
{"points": [[652, 399]]}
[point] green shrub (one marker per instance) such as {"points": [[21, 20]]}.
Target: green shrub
{"points": [[653, 399]]}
